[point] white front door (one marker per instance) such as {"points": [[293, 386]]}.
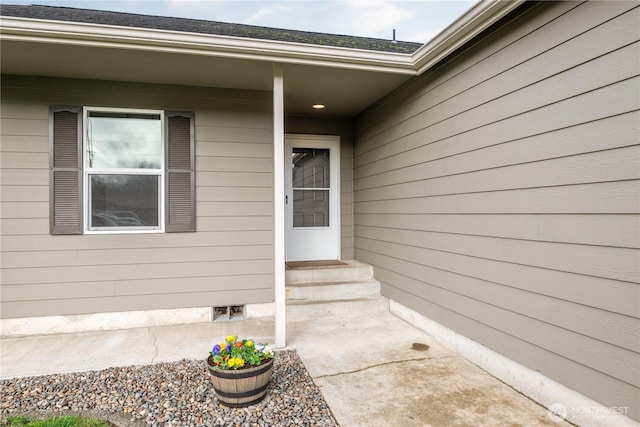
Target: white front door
{"points": [[312, 215]]}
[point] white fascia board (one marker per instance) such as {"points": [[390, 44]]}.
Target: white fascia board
{"points": [[96, 35], [478, 18], [470, 24]]}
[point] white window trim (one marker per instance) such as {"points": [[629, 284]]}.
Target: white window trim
{"points": [[86, 201]]}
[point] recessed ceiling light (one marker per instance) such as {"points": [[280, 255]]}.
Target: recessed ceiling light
{"points": [[318, 106]]}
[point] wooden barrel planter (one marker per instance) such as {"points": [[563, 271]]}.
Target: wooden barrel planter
{"points": [[241, 387]]}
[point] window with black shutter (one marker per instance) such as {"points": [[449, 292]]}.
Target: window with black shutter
{"points": [[119, 170]]}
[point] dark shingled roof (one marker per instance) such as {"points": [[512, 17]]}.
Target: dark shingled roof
{"points": [[204, 27]]}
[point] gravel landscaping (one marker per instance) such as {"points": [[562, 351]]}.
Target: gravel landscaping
{"points": [[167, 394]]}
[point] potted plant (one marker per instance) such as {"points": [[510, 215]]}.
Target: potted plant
{"points": [[240, 371]]}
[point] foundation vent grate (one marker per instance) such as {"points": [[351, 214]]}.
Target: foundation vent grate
{"points": [[228, 312]]}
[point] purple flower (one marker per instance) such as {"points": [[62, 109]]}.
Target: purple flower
{"points": [[216, 349]]}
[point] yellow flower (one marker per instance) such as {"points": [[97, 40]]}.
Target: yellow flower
{"points": [[231, 338], [249, 343], [239, 362], [232, 362]]}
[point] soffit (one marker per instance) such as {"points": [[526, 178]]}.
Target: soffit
{"points": [[99, 63], [346, 80], [346, 92]]}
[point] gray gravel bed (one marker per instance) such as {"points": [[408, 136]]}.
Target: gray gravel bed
{"points": [[167, 394]]}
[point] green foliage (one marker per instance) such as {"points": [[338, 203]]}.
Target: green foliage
{"points": [[66, 421], [15, 422], [236, 354]]}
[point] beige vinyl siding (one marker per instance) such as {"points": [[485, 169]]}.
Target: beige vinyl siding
{"points": [[499, 193], [343, 127], [228, 260]]}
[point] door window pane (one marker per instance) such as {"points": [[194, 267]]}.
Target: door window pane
{"points": [[121, 201], [310, 168], [124, 140], [311, 208]]}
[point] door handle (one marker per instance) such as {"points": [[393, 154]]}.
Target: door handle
{"points": [[286, 199]]}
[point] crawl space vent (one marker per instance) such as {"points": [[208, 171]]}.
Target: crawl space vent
{"points": [[228, 312]]}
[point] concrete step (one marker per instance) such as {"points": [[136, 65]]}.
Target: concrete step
{"points": [[352, 271], [313, 291], [345, 290], [316, 310]]}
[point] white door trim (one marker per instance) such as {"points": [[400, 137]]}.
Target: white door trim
{"points": [[316, 141]]}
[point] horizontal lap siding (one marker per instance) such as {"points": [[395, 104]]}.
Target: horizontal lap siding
{"points": [[228, 260], [499, 195]]}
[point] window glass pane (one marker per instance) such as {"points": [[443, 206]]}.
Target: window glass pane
{"points": [[124, 201], [123, 140], [310, 167], [311, 208]]}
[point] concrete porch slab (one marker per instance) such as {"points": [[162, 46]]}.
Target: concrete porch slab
{"points": [[378, 370], [373, 369]]}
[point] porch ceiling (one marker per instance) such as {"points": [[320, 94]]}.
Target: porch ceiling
{"points": [[345, 92], [346, 80]]}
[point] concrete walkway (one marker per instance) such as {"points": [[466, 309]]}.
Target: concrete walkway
{"points": [[372, 371]]}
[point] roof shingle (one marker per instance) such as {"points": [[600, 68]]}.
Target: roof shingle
{"points": [[204, 27]]}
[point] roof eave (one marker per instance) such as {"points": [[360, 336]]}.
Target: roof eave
{"points": [[97, 35], [478, 18]]}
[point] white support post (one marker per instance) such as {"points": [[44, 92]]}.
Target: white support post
{"points": [[278, 205]]}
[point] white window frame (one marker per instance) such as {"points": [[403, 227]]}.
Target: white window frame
{"points": [[86, 171]]}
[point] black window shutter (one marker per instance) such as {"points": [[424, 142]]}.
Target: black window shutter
{"points": [[180, 172], [65, 170]]}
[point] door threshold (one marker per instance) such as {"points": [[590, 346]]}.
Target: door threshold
{"points": [[315, 263]]}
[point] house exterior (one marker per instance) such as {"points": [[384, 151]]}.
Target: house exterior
{"points": [[490, 176]]}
